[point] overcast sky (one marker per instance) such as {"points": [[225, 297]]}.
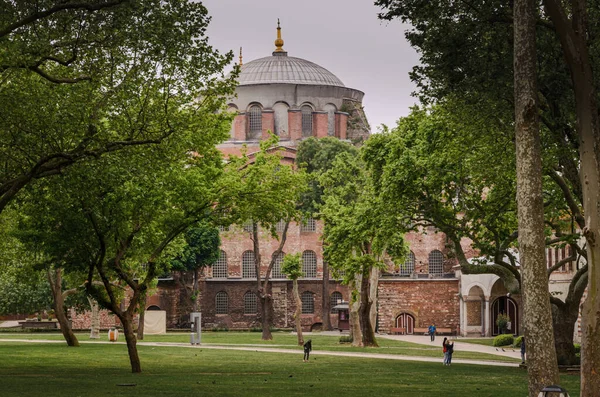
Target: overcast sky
{"points": [[343, 36]]}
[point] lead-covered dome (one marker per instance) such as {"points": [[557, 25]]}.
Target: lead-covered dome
{"points": [[281, 69]]}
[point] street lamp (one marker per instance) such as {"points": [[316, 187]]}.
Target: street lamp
{"points": [[553, 390]]}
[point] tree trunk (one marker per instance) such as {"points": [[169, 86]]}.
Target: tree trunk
{"points": [[298, 313], [95, 318], [563, 320], [374, 284], [364, 312], [355, 332], [58, 304], [574, 34], [542, 366], [134, 359], [266, 310], [141, 317], [326, 306]]}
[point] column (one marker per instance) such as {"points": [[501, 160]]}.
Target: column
{"points": [[488, 331]]}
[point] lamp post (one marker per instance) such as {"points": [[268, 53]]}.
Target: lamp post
{"points": [[553, 391]]}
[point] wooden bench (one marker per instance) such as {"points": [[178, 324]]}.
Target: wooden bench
{"points": [[38, 324]]}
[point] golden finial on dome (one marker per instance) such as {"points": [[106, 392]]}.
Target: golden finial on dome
{"points": [[279, 41], [241, 56]]}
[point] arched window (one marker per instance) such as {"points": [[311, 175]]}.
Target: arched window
{"points": [[409, 265], [436, 263], [221, 303], [276, 272], [248, 268], [308, 302], [219, 269], [334, 299], [255, 122], [308, 225], [330, 109], [307, 121], [250, 303], [309, 264], [281, 119]]}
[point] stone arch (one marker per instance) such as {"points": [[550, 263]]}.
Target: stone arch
{"points": [[307, 110], [153, 308], [254, 114], [406, 322]]}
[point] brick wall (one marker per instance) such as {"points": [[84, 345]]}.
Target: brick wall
{"points": [[426, 300]]}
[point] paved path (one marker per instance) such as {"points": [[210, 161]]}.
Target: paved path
{"points": [[297, 352], [458, 345]]}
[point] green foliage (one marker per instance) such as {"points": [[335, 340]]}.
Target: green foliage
{"points": [[316, 156], [23, 291], [359, 230], [502, 321], [518, 341], [346, 339], [503, 340], [86, 81], [292, 266], [202, 249]]}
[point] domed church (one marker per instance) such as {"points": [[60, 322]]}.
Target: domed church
{"points": [[293, 98]]}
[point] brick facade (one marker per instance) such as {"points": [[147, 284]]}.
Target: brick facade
{"points": [[428, 301]]}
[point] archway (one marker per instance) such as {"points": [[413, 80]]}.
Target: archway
{"points": [[508, 306], [406, 322]]}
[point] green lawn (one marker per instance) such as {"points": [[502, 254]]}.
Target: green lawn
{"points": [[100, 370], [476, 341], [288, 341]]}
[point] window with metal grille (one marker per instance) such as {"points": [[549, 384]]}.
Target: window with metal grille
{"points": [[219, 269], [248, 268], [308, 225], [276, 271], [255, 122], [307, 121], [250, 303], [436, 263], [248, 226], [335, 298], [409, 266], [308, 302], [309, 264], [223, 228], [221, 303]]}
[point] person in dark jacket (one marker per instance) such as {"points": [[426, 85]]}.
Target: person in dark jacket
{"points": [[450, 349], [523, 350], [307, 349]]}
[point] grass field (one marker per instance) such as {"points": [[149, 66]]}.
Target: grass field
{"points": [[102, 370], [287, 340]]}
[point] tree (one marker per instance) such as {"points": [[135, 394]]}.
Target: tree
{"points": [[359, 233], [478, 65], [542, 368], [82, 79], [421, 169], [202, 249], [316, 156], [292, 267], [272, 190]]}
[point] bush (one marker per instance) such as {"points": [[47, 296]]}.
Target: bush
{"points": [[345, 339], [518, 341], [503, 340], [577, 347]]}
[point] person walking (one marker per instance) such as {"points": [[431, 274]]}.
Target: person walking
{"points": [[445, 350], [307, 349], [432, 330], [523, 350]]}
